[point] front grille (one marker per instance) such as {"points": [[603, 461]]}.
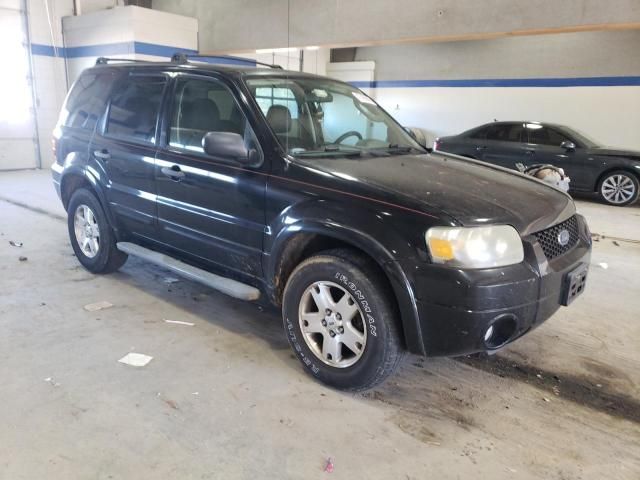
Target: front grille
{"points": [[549, 238]]}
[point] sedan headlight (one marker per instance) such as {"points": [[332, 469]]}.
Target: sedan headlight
{"points": [[475, 247]]}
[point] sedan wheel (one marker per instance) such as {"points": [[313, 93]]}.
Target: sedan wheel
{"points": [[619, 188]]}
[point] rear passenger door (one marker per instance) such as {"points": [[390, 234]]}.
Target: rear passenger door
{"points": [[125, 148], [209, 208]]}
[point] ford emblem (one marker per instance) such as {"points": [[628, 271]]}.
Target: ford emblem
{"points": [[564, 237]]}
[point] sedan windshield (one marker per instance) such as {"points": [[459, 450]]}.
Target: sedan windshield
{"points": [[318, 117]]}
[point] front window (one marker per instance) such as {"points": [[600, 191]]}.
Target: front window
{"points": [[323, 117]]}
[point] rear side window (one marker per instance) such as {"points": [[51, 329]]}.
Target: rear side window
{"points": [[505, 133], [87, 101], [134, 108]]}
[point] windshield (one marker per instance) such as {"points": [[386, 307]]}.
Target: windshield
{"points": [[322, 117]]}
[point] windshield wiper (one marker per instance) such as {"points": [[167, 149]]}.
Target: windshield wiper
{"points": [[394, 147], [332, 150]]}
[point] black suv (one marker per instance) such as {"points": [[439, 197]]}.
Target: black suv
{"points": [[301, 191]]}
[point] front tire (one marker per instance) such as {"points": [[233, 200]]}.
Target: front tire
{"points": [[91, 236], [619, 188], [340, 320]]}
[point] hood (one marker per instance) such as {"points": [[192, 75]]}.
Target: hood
{"points": [[613, 152], [472, 192]]}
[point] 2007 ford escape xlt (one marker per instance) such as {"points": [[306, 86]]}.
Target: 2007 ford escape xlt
{"points": [[301, 191]]}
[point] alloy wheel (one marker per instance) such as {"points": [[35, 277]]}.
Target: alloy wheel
{"points": [[87, 231], [332, 324], [618, 188]]}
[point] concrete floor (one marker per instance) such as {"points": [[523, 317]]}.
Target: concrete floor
{"points": [[226, 399]]}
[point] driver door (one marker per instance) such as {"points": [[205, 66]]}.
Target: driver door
{"points": [[209, 208], [544, 146]]}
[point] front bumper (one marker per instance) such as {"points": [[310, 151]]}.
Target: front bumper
{"points": [[456, 307]]}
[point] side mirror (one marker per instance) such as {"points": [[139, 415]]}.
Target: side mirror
{"points": [[567, 145], [230, 146]]}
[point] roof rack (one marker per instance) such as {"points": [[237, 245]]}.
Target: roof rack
{"points": [[106, 60], [184, 58]]}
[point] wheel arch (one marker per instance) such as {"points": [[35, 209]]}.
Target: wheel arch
{"points": [[76, 178], [293, 245]]}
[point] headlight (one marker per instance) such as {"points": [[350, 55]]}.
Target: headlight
{"points": [[475, 247]]}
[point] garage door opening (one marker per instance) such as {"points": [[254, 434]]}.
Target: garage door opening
{"points": [[17, 122]]}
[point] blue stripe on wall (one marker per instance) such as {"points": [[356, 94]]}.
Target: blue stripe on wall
{"points": [[46, 50], [159, 50], [152, 49], [127, 48], [506, 82]]}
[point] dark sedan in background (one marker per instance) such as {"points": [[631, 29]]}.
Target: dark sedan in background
{"points": [[613, 174]]}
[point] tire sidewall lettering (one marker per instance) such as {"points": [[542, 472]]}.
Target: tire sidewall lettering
{"points": [[359, 296]]}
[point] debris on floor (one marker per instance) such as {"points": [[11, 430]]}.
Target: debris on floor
{"points": [[179, 322], [94, 307], [603, 265], [15, 244], [23, 259], [136, 359], [172, 404], [51, 381], [616, 243], [329, 466]]}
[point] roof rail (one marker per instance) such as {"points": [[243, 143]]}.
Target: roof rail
{"points": [[184, 58], [106, 60]]}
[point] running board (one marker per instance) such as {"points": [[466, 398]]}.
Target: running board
{"points": [[227, 286]]}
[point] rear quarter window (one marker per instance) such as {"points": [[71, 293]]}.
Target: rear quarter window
{"points": [[134, 108], [87, 100]]}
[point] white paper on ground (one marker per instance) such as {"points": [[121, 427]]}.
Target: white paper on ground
{"points": [[94, 307], [178, 322], [603, 265], [136, 359]]}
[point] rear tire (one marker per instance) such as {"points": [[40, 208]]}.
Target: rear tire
{"points": [[619, 188], [340, 320], [91, 236]]}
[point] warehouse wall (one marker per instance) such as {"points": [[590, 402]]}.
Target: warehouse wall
{"points": [[589, 80], [240, 25]]}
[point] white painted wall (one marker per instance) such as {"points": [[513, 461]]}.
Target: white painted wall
{"points": [[609, 115], [118, 29]]}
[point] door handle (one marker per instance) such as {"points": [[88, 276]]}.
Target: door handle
{"points": [[173, 172], [102, 154], [481, 147]]}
